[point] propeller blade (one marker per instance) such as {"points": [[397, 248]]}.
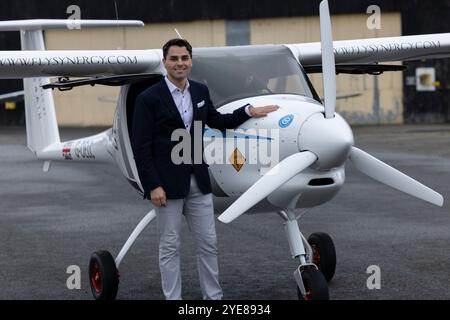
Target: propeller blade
{"points": [[383, 173], [328, 64], [272, 180]]}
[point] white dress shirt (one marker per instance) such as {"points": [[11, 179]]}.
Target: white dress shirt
{"points": [[183, 102]]}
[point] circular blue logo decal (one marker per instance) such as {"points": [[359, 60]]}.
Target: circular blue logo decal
{"points": [[286, 121]]}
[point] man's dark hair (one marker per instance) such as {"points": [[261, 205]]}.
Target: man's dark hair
{"points": [[176, 42]]}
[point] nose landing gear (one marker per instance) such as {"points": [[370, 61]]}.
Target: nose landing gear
{"points": [[317, 257]]}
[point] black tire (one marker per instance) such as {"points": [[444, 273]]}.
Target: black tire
{"points": [[103, 276], [315, 285], [324, 253]]}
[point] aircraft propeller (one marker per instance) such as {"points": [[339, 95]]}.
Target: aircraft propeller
{"points": [[326, 141]]}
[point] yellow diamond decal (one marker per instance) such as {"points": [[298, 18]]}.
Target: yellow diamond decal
{"points": [[237, 160]]}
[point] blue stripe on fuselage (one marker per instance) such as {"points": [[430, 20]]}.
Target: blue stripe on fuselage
{"points": [[209, 133]]}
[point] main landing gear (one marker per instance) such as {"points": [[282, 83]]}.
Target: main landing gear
{"points": [[103, 268], [317, 257]]}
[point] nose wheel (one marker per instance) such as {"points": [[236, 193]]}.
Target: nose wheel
{"points": [[316, 287], [323, 253]]}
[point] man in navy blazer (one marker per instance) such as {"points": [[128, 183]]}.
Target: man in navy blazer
{"points": [[176, 103]]}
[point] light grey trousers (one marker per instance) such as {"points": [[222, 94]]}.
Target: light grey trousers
{"points": [[199, 213]]}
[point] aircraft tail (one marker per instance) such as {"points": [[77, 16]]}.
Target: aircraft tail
{"points": [[40, 115]]}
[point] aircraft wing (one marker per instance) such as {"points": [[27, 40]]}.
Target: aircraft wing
{"points": [[348, 54], [40, 24], [78, 63], [374, 50], [34, 61]]}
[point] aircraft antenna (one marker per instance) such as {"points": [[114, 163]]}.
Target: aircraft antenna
{"points": [[117, 12], [117, 19], [179, 35]]}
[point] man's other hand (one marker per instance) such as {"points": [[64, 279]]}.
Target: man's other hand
{"points": [[158, 197], [259, 112]]}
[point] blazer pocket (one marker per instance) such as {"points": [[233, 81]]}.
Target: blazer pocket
{"points": [[201, 104]]}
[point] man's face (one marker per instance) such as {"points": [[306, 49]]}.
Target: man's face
{"points": [[178, 62]]}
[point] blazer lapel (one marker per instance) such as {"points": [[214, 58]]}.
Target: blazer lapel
{"points": [[167, 98], [195, 99]]}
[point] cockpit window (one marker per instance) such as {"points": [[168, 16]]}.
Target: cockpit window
{"points": [[233, 73]]}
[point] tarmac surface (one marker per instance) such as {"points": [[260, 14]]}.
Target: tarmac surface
{"points": [[50, 221]]}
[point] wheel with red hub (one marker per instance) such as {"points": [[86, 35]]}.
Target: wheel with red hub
{"points": [[315, 285], [324, 253], [103, 276]]}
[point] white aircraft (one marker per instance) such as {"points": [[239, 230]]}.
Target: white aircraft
{"points": [[313, 141]]}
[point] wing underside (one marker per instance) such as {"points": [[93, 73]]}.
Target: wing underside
{"points": [[361, 68]]}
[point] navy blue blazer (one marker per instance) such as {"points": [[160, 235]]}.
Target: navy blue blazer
{"points": [[155, 118]]}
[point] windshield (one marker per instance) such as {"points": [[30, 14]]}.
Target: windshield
{"points": [[233, 73]]}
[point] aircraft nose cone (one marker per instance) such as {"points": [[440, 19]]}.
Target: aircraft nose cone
{"points": [[330, 139]]}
